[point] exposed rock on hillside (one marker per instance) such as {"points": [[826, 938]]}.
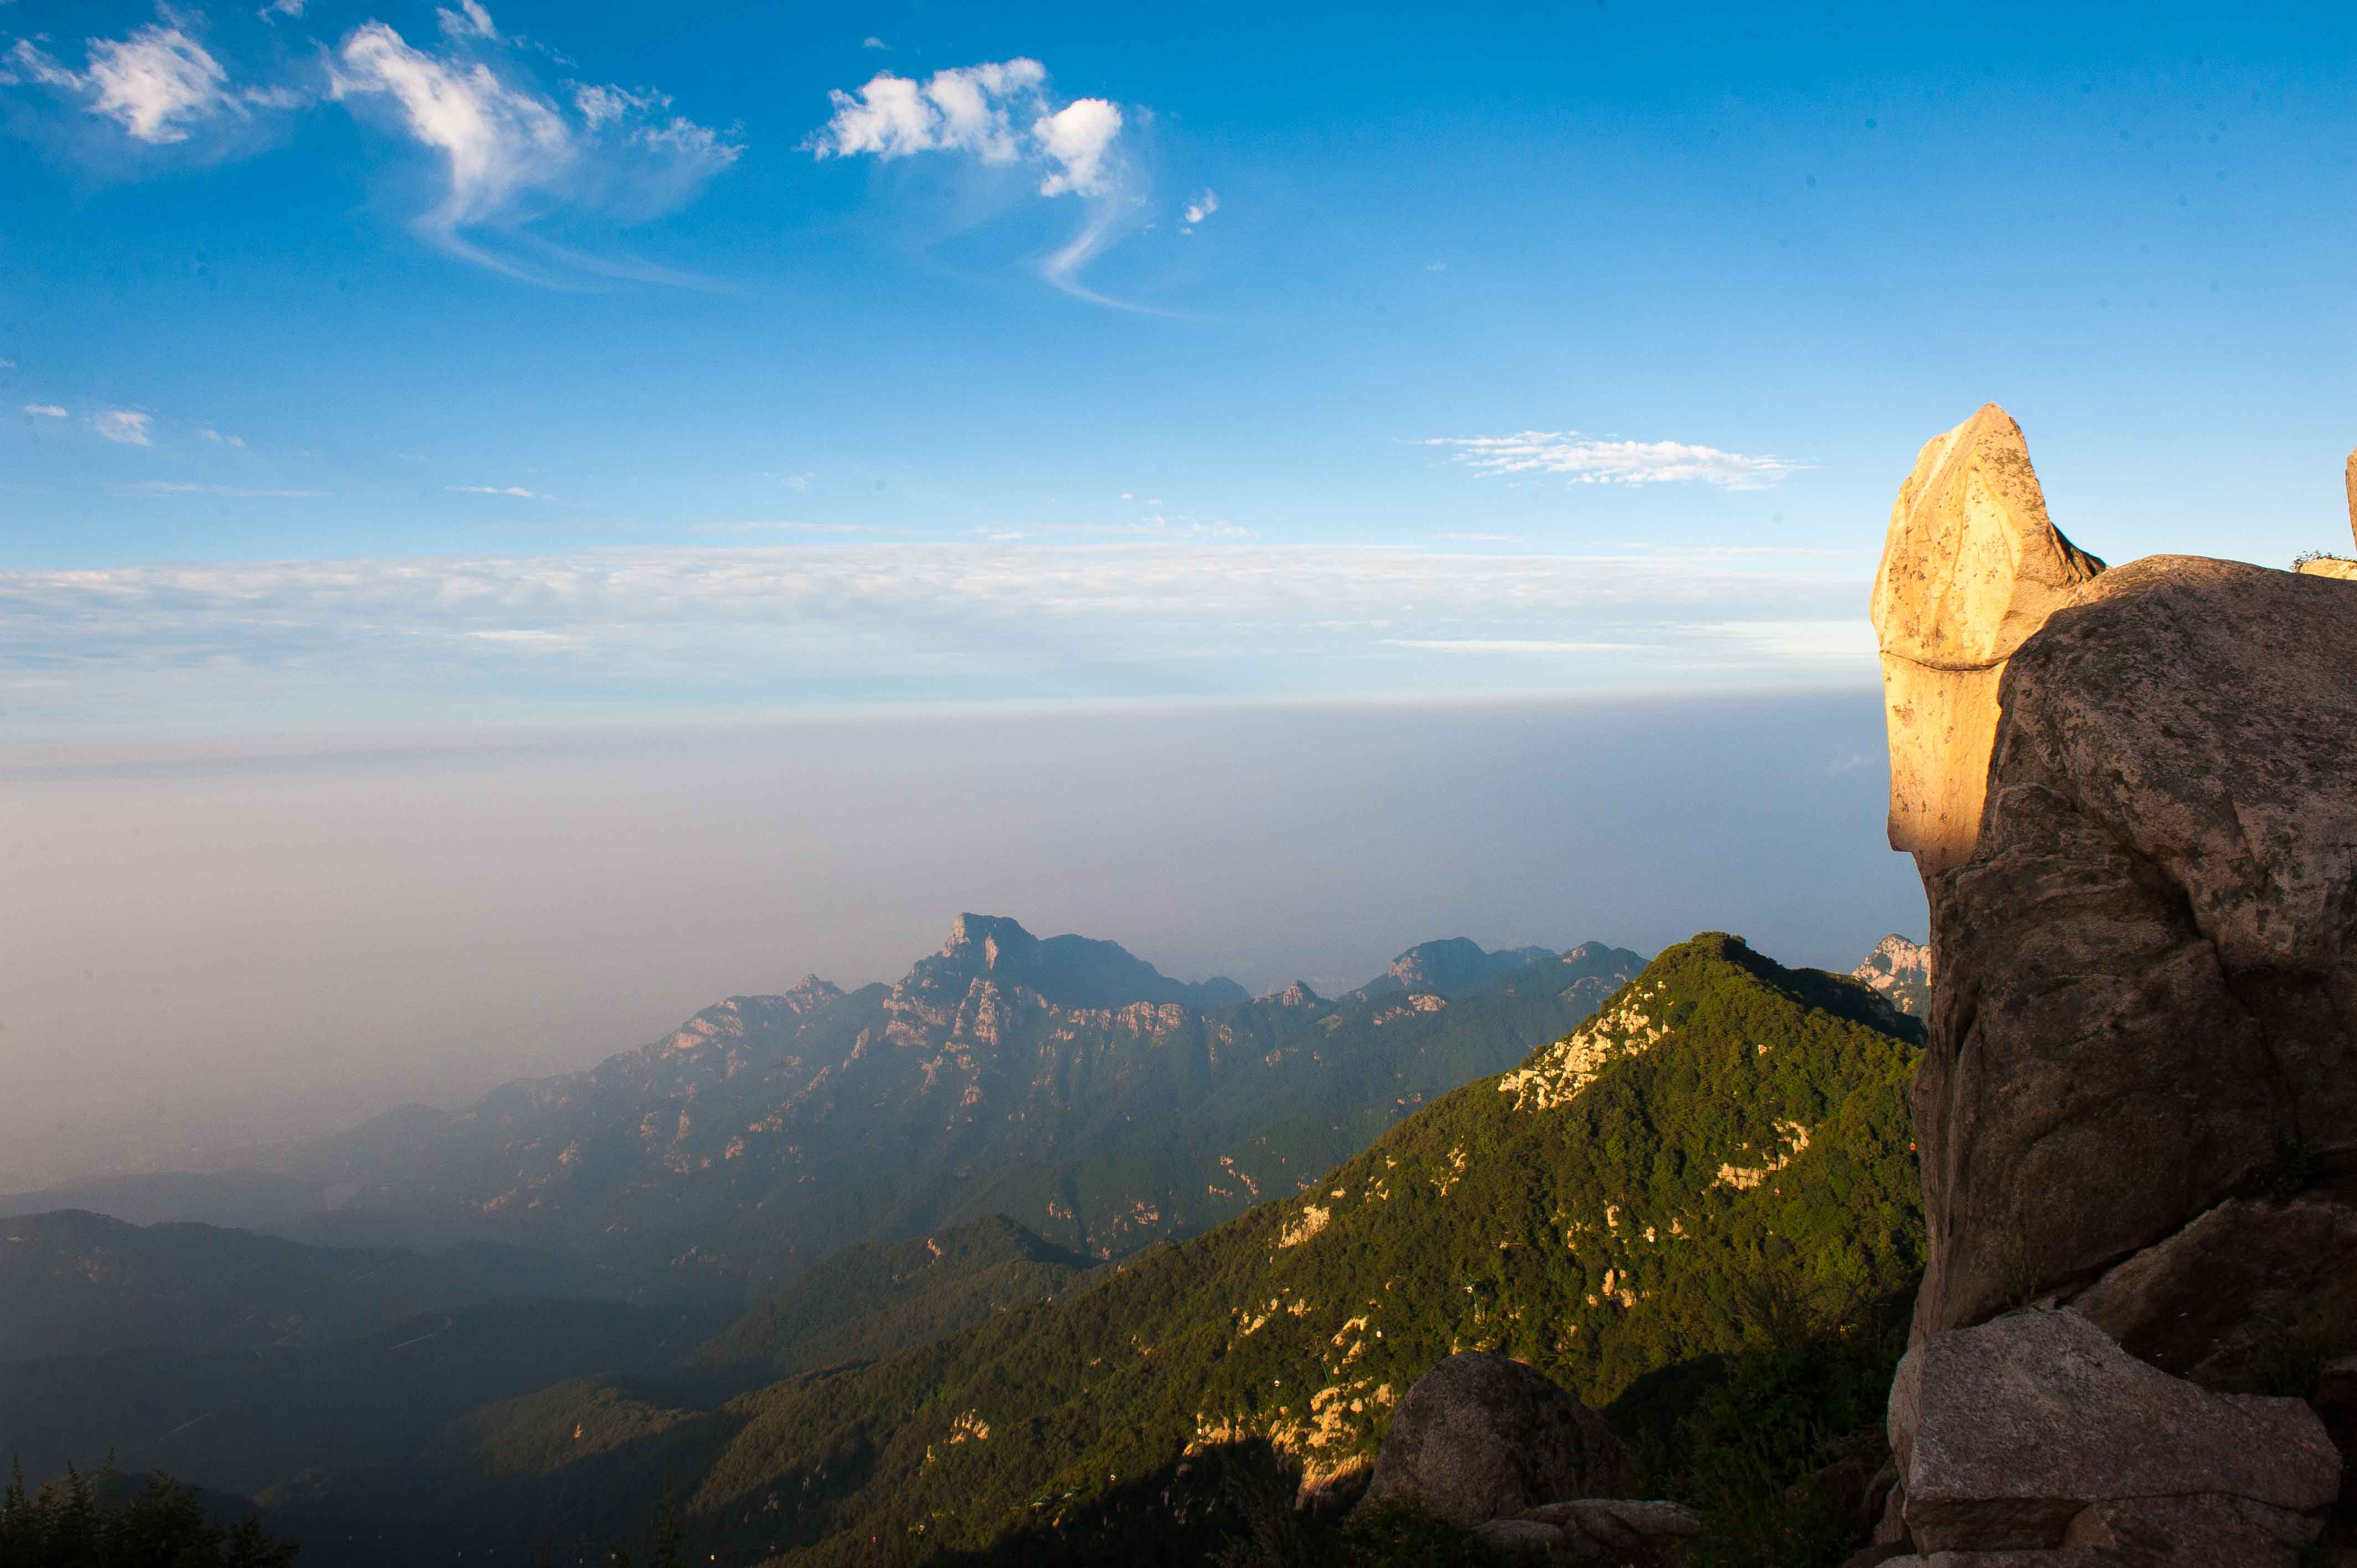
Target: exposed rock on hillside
{"points": [[1481, 1437], [2036, 1433], [1900, 971], [1970, 568]]}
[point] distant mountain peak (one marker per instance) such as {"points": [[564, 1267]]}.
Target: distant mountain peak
{"points": [[1901, 971], [811, 988], [1065, 972], [1447, 967], [1296, 994]]}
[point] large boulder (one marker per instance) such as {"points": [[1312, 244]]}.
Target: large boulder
{"points": [[1481, 1437], [2036, 1433], [1971, 567], [2144, 1016]]}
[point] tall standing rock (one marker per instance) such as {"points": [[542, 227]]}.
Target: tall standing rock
{"points": [[2133, 797], [1971, 567]]}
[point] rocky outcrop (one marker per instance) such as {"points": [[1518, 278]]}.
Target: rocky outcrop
{"points": [[2037, 1435], [2328, 567], [1481, 1437], [2145, 1005], [1971, 567]]}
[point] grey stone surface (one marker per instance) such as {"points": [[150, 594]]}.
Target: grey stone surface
{"points": [[1520, 1540], [1483, 1437], [2036, 1431], [2146, 1000], [2223, 1294]]}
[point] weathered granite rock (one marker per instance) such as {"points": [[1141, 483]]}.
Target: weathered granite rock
{"points": [[2036, 1432], [1971, 567], [1481, 1437], [2328, 566], [1618, 1530], [2146, 1000], [2290, 1279], [1520, 1540]]}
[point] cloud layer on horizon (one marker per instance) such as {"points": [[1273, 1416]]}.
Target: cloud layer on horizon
{"points": [[305, 643]]}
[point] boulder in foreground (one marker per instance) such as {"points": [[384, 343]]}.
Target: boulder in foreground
{"points": [[2037, 1434], [1483, 1437]]}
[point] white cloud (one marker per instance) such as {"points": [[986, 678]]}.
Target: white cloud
{"points": [[469, 21], [7, 364], [798, 481], [46, 410], [1485, 538], [292, 8], [1587, 461], [1436, 266], [215, 436], [1202, 207], [1078, 138], [516, 490], [509, 153], [872, 42], [998, 112], [126, 425], [156, 84]]}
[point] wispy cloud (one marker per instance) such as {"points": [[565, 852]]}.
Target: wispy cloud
{"points": [[509, 154], [1202, 207], [46, 410], [872, 42], [158, 84], [209, 433], [177, 487], [825, 621], [1509, 645], [127, 425], [1000, 114], [513, 161], [1585, 460], [516, 490]]}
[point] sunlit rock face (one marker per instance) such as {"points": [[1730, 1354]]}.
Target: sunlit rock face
{"points": [[1971, 567]]}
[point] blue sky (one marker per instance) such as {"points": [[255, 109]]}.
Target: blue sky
{"points": [[387, 364]]}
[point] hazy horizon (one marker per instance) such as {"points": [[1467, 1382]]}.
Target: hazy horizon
{"points": [[217, 944]]}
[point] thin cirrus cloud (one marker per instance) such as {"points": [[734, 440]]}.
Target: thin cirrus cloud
{"points": [[127, 425], [513, 160], [518, 491], [1000, 114], [1202, 207], [822, 623], [45, 409], [1584, 460]]}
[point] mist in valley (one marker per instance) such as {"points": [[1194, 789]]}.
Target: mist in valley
{"points": [[213, 948]]}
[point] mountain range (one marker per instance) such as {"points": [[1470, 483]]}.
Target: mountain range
{"points": [[1062, 1082], [1716, 1162]]}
